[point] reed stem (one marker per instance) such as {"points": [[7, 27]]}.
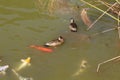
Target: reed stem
{"points": [[117, 1], [100, 10], [100, 16], [119, 25], [104, 31], [106, 62]]}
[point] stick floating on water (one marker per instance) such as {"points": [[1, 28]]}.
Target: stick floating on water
{"points": [[119, 31], [100, 16], [100, 10], [98, 68], [117, 1], [104, 31], [119, 25]]}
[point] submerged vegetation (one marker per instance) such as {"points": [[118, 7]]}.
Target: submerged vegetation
{"points": [[56, 6], [114, 8]]}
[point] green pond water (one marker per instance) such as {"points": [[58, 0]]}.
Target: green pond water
{"points": [[22, 24]]}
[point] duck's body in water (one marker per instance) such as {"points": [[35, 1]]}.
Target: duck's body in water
{"points": [[55, 42], [73, 25]]}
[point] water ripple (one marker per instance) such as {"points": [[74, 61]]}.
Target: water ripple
{"points": [[19, 9]]}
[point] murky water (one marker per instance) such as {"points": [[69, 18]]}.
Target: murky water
{"points": [[22, 25]]}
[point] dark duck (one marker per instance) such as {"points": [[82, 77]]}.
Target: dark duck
{"points": [[73, 25], [55, 42]]}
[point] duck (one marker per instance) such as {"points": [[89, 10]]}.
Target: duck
{"points": [[55, 42], [73, 25]]}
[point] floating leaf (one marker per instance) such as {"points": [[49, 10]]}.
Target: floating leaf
{"points": [[85, 17]]}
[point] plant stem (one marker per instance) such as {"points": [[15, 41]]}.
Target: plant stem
{"points": [[100, 10], [100, 16], [117, 1], [106, 62]]}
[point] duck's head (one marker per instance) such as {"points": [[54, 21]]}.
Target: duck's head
{"points": [[60, 38], [71, 20]]}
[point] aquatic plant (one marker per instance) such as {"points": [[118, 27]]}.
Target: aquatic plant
{"points": [[100, 10], [117, 1], [41, 4], [101, 16], [51, 5], [115, 9], [109, 60], [56, 6]]}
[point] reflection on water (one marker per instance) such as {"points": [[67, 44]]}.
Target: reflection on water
{"points": [[22, 24], [61, 7]]}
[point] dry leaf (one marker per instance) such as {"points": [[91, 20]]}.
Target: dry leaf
{"points": [[85, 17]]}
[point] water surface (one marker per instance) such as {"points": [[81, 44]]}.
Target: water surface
{"points": [[22, 24]]}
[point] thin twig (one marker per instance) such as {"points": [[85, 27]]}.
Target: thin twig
{"points": [[117, 1], [119, 25], [100, 10], [104, 31], [119, 18], [106, 62], [105, 3], [101, 16]]}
